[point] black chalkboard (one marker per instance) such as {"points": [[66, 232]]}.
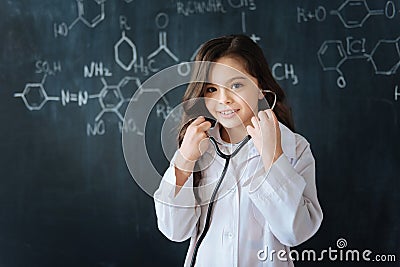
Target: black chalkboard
{"points": [[68, 69]]}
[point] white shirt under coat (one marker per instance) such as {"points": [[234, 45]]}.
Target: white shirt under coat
{"points": [[255, 210]]}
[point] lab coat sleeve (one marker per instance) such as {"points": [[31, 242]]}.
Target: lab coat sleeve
{"points": [[177, 214], [287, 197]]}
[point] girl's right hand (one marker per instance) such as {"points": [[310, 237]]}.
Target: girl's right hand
{"points": [[194, 143]]}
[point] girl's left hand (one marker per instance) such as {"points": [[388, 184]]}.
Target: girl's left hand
{"points": [[266, 136]]}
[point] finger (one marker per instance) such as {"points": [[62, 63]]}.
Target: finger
{"points": [[204, 126], [272, 115], [250, 130], [197, 121], [276, 123], [255, 123], [263, 116]]}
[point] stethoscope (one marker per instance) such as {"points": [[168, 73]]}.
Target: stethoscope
{"points": [[227, 158]]}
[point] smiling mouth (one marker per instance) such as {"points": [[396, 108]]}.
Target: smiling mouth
{"points": [[228, 113]]}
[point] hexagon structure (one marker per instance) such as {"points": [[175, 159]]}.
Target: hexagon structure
{"points": [[128, 86], [34, 96], [353, 13], [385, 57], [91, 12], [110, 98], [125, 41], [331, 55]]}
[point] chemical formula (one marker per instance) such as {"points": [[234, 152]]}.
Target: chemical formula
{"points": [[112, 96], [353, 14]]}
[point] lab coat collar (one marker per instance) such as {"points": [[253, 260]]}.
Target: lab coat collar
{"points": [[288, 141]]}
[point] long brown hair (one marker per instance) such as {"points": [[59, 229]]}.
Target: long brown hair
{"points": [[255, 63]]}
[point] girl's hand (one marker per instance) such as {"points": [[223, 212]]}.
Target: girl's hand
{"points": [[194, 142], [266, 136]]}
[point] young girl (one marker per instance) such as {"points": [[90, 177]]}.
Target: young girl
{"points": [[268, 200]]}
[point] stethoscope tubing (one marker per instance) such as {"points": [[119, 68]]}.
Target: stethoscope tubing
{"points": [[227, 158]]}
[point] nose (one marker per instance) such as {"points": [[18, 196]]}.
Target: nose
{"points": [[224, 96]]}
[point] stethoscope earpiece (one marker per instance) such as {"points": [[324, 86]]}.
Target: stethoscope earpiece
{"points": [[271, 92]]}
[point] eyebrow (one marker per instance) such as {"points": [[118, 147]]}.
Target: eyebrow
{"points": [[236, 78], [230, 80]]}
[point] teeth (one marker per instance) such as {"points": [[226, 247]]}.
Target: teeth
{"points": [[227, 112]]}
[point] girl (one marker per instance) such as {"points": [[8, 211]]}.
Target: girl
{"points": [[268, 200]]}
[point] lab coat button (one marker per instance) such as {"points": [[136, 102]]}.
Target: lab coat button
{"points": [[230, 235]]}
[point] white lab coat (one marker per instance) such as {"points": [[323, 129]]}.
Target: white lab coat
{"points": [[255, 210]]}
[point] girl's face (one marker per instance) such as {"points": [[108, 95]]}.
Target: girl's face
{"points": [[232, 94]]}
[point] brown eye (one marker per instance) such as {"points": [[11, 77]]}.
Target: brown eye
{"points": [[211, 89]]}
